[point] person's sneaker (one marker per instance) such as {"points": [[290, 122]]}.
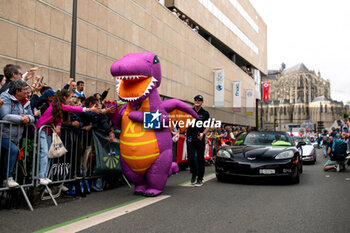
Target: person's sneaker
{"points": [[64, 188], [338, 168], [43, 181], [97, 185], [193, 180], [10, 183], [48, 180], [199, 183]]}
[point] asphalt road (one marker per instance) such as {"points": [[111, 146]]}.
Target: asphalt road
{"points": [[320, 203]]}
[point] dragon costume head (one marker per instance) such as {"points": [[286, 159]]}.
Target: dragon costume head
{"points": [[138, 74]]}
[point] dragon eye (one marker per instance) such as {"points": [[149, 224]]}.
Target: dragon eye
{"points": [[155, 60]]}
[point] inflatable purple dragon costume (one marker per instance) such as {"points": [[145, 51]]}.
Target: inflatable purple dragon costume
{"points": [[146, 154]]}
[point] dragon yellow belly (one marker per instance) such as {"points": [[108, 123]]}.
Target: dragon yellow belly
{"points": [[138, 146]]}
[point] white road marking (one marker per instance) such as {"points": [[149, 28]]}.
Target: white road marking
{"points": [[103, 217], [205, 179]]}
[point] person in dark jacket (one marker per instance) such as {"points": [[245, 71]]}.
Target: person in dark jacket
{"points": [[103, 96], [196, 143]]}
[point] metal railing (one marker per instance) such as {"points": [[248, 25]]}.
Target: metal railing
{"points": [[25, 139], [76, 164]]}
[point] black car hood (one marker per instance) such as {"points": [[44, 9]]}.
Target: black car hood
{"points": [[257, 152]]}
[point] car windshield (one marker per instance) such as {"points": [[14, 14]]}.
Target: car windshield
{"points": [[265, 139], [301, 139]]}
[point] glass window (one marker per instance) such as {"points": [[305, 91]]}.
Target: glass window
{"points": [[229, 24]]}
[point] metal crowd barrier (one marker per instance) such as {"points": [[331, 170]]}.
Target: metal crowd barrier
{"points": [[71, 166], [25, 164], [79, 162], [75, 164]]}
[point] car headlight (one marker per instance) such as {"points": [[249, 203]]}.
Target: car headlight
{"points": [[285, 155], [224, 154]]}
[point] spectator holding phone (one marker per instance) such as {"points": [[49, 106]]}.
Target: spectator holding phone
{"points": [[13, 72]]}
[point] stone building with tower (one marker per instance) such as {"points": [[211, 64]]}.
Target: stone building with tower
{"points": [[299, 98]]}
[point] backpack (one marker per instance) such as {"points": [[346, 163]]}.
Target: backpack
{"points": [[338, 150], [324, 139]]}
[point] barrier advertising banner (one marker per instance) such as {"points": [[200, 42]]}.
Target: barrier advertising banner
{"points": [[219, 90], [236, 96]]}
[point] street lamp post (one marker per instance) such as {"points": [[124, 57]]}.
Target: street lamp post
{"points": [[73, 40]]}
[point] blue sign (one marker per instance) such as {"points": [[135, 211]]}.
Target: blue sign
{"points": [[151, 120], [219, 87]]}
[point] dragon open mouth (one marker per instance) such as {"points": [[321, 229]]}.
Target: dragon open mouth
{"points": [[133, 87]]}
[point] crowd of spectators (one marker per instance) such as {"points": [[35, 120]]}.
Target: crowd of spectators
{"points": [[227, 134], [327, 140], [23, 103], [186, 20]]}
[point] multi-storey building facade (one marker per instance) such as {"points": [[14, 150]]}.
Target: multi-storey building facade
{"points": [[231, 38]]}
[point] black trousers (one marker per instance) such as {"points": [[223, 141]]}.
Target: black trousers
{"points": [[194, 145]]}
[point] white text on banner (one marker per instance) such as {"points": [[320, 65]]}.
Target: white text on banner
{"points": [[236, 96]]}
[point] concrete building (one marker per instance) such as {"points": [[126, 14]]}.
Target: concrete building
{"points": [[231, 38], [300, 98]]}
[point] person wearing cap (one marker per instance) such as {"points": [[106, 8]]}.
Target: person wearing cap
{"points": [[103, 96], [196, 143], [48, 98]]}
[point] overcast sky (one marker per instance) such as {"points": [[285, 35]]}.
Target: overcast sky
{"points": [[314, 32]]}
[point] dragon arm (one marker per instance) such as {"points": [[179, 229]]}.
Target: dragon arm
{"points": [[136, 116], [171, 104]]}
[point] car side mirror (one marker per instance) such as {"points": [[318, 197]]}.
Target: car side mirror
{"points": [[301, 144]]}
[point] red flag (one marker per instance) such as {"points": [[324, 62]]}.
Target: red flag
{"points": [[266, 87]]}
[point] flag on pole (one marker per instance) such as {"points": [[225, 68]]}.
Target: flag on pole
{"points": [[266, 86]]}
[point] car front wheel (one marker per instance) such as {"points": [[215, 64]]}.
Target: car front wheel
{"points": [[295, 178], [221, 177]]}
